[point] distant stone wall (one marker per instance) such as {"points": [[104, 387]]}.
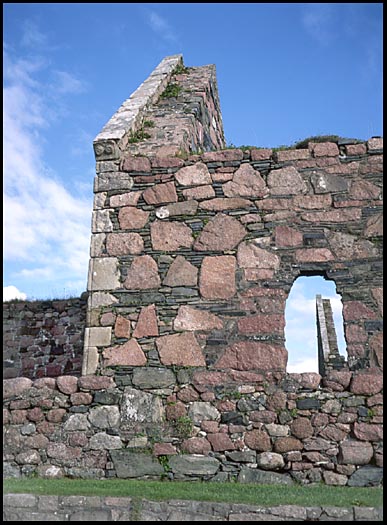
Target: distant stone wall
{"points": [[157, 423], [29, 507], [43, 338]]}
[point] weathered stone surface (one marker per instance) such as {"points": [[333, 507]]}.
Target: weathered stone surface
{"points": [[286, 181], [189, 318], [201, 411], [246, 456], [170, 236], [301, 428], [258, 440], [95, 382], [332, 478], [220, 442], [377, 294], [367, 476], [323, 149], [164, 449], [147, 325], [101, 221], [261, 154], [125, 199], [103, 274], [314, 255], [104, 417], [98, 336], [346, 246], [122, 327], [132, 218], [253, 355], [224, 155], [178, 208], [128, 354], [221, 233], [153, 377], [250, 475], [277, 430], [67, 384], [181, 273], [141, 164], [250, 255], [180, 349], [375, 143], [363, 189], [140, 407], [130, 464], [196, 445], [103, 441], [191, 465], [374, 226], [355, 452], [368, 431], [287, 237], [160, 193], [199, 193], [327, 183], [194, 175], [310, 202], [285, 444], [262, 323], [367, 382], [270, 461], [217, 277], [221, 204], [341, 215], [247, 182], [376, 350], [143, 274]]}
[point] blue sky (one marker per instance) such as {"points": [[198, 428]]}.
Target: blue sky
{"points": [[285, 72]]}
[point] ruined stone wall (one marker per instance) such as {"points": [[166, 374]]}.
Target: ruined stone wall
{"points": [[192, 260], [43, 338]]}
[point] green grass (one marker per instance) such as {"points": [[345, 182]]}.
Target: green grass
{"points": [[266, 495]]}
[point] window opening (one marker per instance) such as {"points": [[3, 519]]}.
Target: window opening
{"points": [[301, 323]]}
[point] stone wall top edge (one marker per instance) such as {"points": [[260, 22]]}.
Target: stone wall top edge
{"points": [[124, 118]]}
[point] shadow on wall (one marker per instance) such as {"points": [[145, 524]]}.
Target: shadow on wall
{"points": [[301, 324]]}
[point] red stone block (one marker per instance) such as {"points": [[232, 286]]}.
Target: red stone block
{"points": [[261, 324], [260, 154], [355, 149], [160, 193], [217, 277], [166, 162], [220, 234], [180, 349], [35, 414], [128, 354], [141, 164], [143, 274], [95, 382], [81, 398], [324, 149], [220, 442], [131, 218], [122, 327], [181, 273], [253, 355], [19, 417], [56, 415], [221, 156], [67, 384], [164, 449], [314, 255], [356, 310], [292, 154], [170, 236], [147, 325], [196, 445], [368, 431], [286, 236], [368, 382], [258, 440]]}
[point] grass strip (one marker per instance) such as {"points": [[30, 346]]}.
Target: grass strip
{"points": [[248, 493]]}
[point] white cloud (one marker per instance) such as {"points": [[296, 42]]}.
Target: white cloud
{"points": [[160, 26], [304, 365], [46, 227], [32, 37], [65, 82], [11, 292]]}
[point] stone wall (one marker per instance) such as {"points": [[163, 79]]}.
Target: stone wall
{"points": [[43, 338], [156, 423], [28, 507], [193, 260]]}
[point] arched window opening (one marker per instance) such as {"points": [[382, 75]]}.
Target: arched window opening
{"points": [[301, 322]]}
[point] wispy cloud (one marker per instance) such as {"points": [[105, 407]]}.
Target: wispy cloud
{"points": [[66, 83], [46, 227], [32, 37], [160, 26], [318, 20]]}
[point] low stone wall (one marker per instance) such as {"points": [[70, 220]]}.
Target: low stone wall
{"points": [[163, 424], [28, 507], [43, 338]]}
